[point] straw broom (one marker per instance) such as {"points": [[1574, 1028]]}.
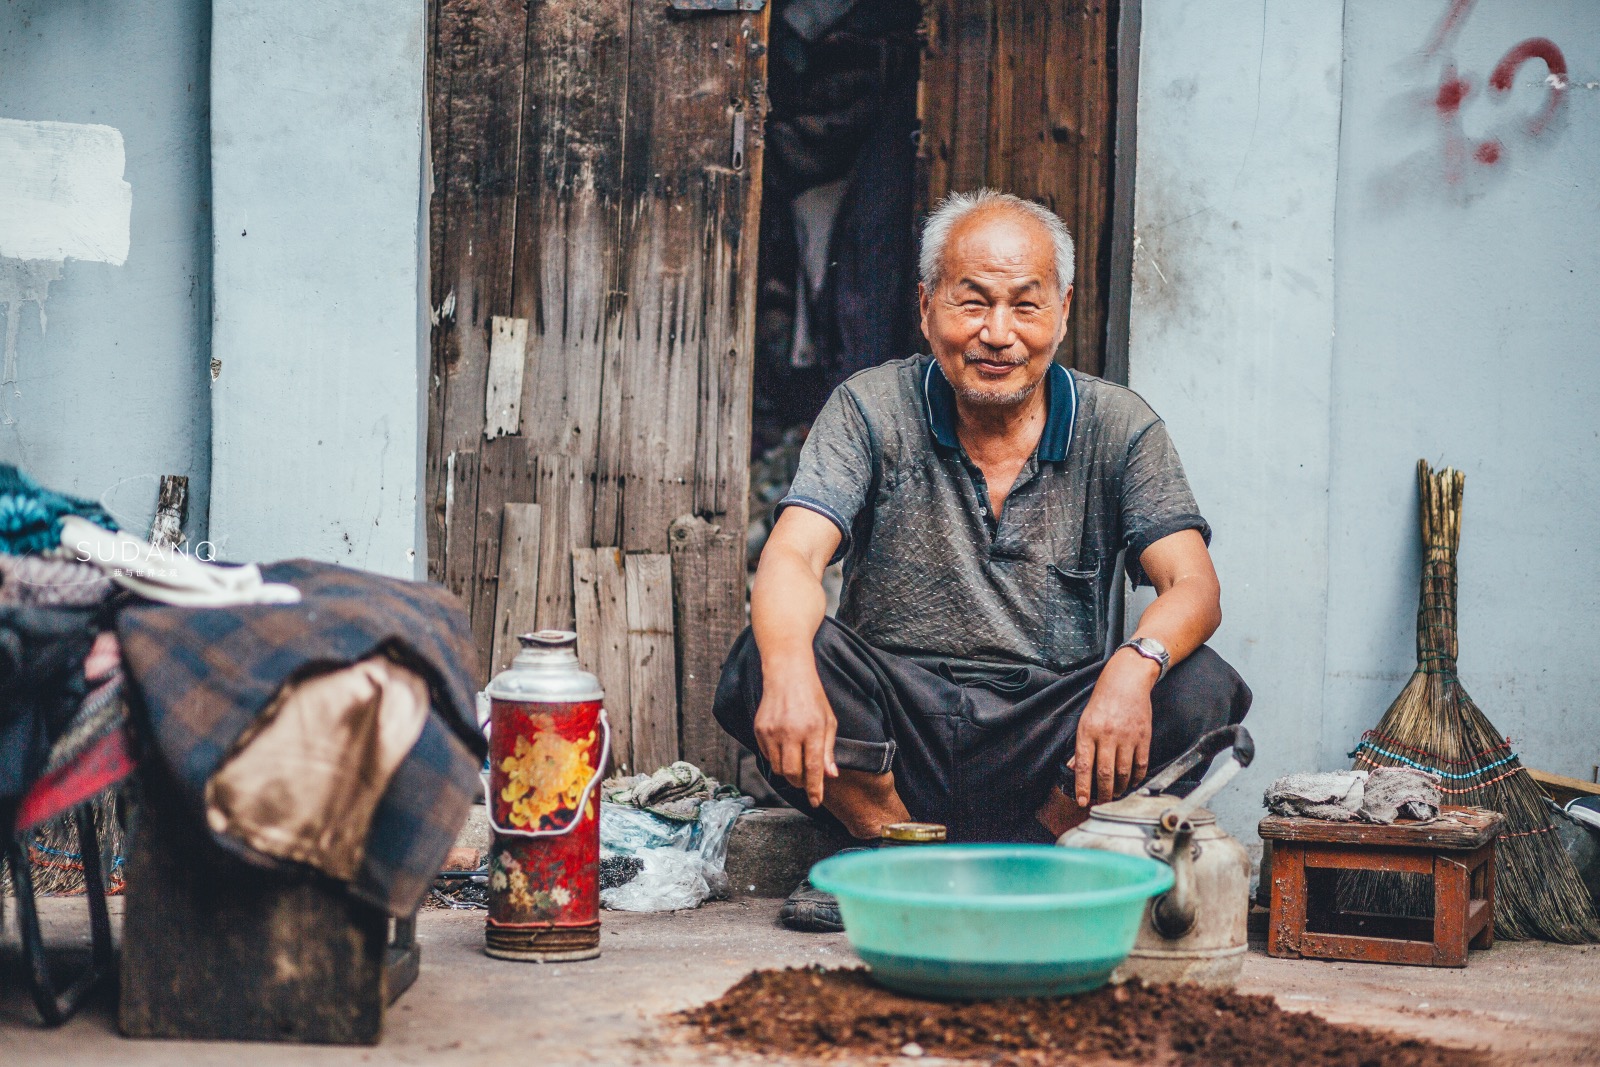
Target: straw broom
{"points": [[1435, 726]]}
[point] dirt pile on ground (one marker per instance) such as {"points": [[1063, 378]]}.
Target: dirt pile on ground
{"points": [[840, 1014]]}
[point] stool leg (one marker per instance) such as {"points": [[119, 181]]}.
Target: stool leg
{"points": [[1450, 898], [1287, 915], [56, 1006], [1485, 937]]}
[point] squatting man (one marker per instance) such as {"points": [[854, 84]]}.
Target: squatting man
{"points": [[979, 498]]}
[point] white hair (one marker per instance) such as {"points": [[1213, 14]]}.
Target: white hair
{"points": [[957, 206]]}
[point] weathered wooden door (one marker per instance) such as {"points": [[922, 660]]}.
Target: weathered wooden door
{"points": [[1021, 95], [597, 182]]}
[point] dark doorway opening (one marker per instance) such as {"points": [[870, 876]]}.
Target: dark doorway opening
{"points": [[836, 281]]}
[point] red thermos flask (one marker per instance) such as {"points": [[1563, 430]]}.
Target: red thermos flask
{"points": [[548, 745]]}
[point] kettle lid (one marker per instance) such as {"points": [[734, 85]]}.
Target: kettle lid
{"points": [[1142, 810]]}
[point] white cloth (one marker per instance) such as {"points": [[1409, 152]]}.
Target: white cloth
{"points": [[1381, 796], [167, 576]]}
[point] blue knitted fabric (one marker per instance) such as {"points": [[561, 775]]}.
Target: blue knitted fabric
{"points": [[30, 515]]}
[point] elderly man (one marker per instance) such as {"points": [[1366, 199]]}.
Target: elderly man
{"points": [[979, 499]]}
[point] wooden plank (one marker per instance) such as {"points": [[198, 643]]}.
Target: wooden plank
{"points": [[508, 351], [1020, 95], [505, 476], [553, 491], [1450, 902], [708, 577], [1369, 858], [1456, 828], [1287, 912], [460, 507], [517, 591], [1051, 128], [172, 508], [953, 99], [973, 45], [1367, 949], [1124, 157], [687, 236], [437, 132], [568, 233], [1563, 788], [600, 596], [478, 68], [652, 671]]}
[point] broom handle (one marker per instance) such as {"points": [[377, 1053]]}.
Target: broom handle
{"points": [[1440, 494]]}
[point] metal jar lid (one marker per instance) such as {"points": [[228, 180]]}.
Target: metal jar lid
{"points": [[913, 833], [546, 670]]}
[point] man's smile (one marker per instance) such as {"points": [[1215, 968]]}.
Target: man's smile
{"points": [[991, 367]]}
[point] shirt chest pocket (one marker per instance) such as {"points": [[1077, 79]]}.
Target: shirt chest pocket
{"points": [[1073, 619]]}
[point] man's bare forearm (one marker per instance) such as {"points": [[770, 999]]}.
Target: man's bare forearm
{"points": [[1184, 617], [787, 605]]}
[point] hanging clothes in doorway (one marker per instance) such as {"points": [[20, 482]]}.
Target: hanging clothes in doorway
{"points": [[836, 224]]}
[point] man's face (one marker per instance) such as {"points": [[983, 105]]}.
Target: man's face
{"points": [[996, 318]]}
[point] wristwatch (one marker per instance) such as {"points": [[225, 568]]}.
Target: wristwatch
{"points": [[1150, 649]]}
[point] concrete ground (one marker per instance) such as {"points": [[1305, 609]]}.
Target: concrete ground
{"points": [[1529, 1004]]}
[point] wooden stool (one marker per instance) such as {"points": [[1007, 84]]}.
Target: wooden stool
{"points": [[1457, 850]]}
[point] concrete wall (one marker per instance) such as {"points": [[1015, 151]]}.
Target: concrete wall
{"points": [[1232, 332], [1468, 262], [1335, 277], [317, 141], [106, 319]]}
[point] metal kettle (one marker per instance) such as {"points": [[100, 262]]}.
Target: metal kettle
{"points": [[1195, 932]]}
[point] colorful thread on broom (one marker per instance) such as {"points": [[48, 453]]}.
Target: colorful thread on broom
{"points": [[1525, 833], [1441, 759], [76, 857], [1362, 757], [1434, 770]]}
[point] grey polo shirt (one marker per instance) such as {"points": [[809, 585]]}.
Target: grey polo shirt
{"points": [[929, 571]]}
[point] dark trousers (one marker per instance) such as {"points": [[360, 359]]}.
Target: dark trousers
{"points": [[975, 748]]}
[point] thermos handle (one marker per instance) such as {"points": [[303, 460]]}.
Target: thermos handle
{"points": [[583, 800]]}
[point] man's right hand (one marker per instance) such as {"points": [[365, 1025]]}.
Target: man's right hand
{"points": [[795, 727]]}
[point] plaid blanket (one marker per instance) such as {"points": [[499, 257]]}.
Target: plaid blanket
{"points": [[200, 676]]}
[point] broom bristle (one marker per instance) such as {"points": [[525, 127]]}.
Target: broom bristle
{"points": [[56, 858], [1434, 725]]}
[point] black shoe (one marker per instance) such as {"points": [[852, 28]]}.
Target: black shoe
{"points": [[811, 910]]}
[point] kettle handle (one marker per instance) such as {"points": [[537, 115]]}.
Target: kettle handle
{"points": [[1206, 749]]}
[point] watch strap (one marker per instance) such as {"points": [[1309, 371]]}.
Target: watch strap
{"points": [[1157, 654]]}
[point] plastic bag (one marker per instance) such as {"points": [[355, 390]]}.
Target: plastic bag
{"points": [[672, 880], [682, 862], [630, 831]]}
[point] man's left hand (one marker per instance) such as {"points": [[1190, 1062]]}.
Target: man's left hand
{"points": [[1114, 733]]}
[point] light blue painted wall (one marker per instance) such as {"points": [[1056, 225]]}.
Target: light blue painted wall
{"points": [[1232, 327], [1469, 334], [111, 394], [317, 146], [1320, 300]]}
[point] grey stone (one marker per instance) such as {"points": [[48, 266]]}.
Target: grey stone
{"points": [[771, 849]]}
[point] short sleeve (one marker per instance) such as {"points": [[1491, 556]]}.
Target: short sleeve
{"points": [[1156, 499], [835, 474]]}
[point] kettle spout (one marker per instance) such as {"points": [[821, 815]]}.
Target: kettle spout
{"points": [[1173, 912]]}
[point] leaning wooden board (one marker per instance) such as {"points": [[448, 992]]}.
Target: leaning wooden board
{"points": [[598, 174]]}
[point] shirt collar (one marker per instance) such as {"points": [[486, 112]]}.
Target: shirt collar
{"points": [[1060, 402]]}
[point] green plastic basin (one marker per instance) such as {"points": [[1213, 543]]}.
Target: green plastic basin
{"points": [[982, 921]]}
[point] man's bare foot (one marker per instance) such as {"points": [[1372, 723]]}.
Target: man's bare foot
{"points": [[864, 802]]}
